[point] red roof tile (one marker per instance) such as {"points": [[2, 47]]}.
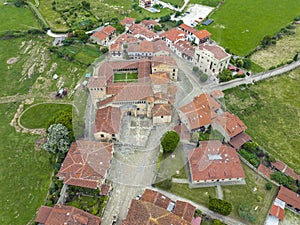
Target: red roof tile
{"points": [[217, 94], [290, 172], [279, 165], [174, 35], [240, 139], [61, 214], [202, 34], [138, 29], [265, 170], [184, 210], [214, 161], [108, 120], [289, 197], [277, 212], [128, 20], [86, 163], [161, 110], [158, 60], [156, 198], [218, 52]]}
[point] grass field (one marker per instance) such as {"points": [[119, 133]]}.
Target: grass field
{"points": [[178, 3], [240, 25], [35, 67], [38, 116], [13, 18], [25, 172], [212, 3], [271, 110], [290, 218], [145, 14], [125, 77], [284, 50]]}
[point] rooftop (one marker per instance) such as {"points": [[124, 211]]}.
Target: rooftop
{"points": [[289, 197], [108, 120], [265, 170], [218, 52], [214, 161], [174, 35], [161, 110], [277, 212]]}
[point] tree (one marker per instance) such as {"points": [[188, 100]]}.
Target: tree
{"points": [[119, 28], [268, 186], [295, 57], [247, 63], [57, 139], [86, 5], [225, 75], [203, 77], [244, 212], [267, 40], [179, 22], [81, 35], [169, 141], [157, 28], [281, 178]]}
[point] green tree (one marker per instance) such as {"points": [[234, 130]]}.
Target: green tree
{"points": [[220, 206], [203, 77], [247, 63], [169, 141], [268, 186], [86, 5], [119, 28], [244, 212], [157, 28], [81, 35], [225, 75], [57, 139]]}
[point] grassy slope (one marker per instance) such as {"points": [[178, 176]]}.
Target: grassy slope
{"points": [[179, 3], [25, 172], [235, 17], [38, 116], [13, 18], [212, 3], [284, 50], [274, 125]]}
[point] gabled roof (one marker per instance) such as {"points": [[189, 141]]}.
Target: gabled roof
{"points": [[128, 20], [265, 170], [159, 78], [218, 52], [174, 35], [230, 123], [214, 161], [200, 111], [137, 29], [277, 212], [126, 38], [61, 214], [134, 92], [104, 33], [109, 29], [160, 45], [289, 197], [290, 172], [202, 34], [162, 110], [279, 165], [108, 120], [156, 198], [239, 140], [184, 210], [158, 60], [86, 163], [185, 47], [147, 23]]}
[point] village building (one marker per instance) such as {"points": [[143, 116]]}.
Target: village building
{"points": [[184, 50], [211, 59], [156, 206], [193, 35], [172, 36], [62, 214], [138, 50], [147, 3], [127, 22], [104, 36], [199, 113], [142, 33], [214, 162], [282, 167], [276, 213], [149, 24], [87, 164], [165, 64], [230, 126]]}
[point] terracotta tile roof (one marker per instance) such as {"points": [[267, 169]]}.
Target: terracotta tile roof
{"points": [[105, 188], [187, 28], [138, 29], [218, 52], [174, 35], [277, 212], [290, 172], [231, 124], [200, 111], [240, 139], [143, 46], [158, 60], [108, 120], [182, 131], [128, 20], [185, 47], [265, 170], [202, 34], [134, 91], [278, 165], [86, 163], [217, 94], [145, 213], [61, 214], [160, 45], [161, 110], [214, 161], [159, 78], [184, 210], [109, 30], [133, 47], [156, 198], [96, 82], [126, 38], [289, 197], [196, 221], [144, 69], [100, 35], [147, 23], [116, 47]]}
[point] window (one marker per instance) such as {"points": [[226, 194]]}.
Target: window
{"points": [[173, 70], [162, 117], [102, 135], [113, 135], [138, 109]]}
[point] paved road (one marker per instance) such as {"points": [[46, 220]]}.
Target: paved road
{"points": [[205, 210]]}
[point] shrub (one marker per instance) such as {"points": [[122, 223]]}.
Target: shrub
{"points": [[169, 141], [220, 206], [203, 77], [250, 157], [268, 186], [245, 213]]}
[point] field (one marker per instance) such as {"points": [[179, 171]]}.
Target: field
{"points": [[38, 116], [25, 172], [125, 77], [212, 3], [34, 68], [284, 50], [240, 25], [13, 18], [290, 218], [271, 112], [175, 3]]}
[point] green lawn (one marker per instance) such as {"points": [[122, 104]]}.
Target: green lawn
{"points": [[178, 3], [125, 77], [25, 172], [240, 25], [212, 3], [35, 67], [13, 18], [245, 194], [38, 116], [271, 110], [145, 13]]}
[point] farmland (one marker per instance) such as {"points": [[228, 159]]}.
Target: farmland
{"points": [[271, 112], [19, 19], [284, 50], [240, 25], [25, 172]]}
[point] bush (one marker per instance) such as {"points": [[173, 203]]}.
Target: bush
{"points": [[268, 186], [197, 213], [220, 206], [245, 213], [169, 141], [282, 179], [203, 77], [225, 75], [250, 157]]}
